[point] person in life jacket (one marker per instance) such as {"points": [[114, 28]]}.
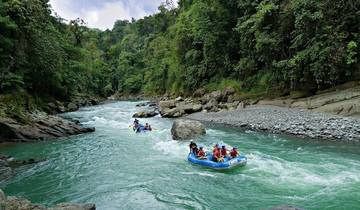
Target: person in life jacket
{"points": [[217, 155], [136, 125], [201, 154], [215, 147], [223, 151], [193, 147], [234, 153], [147, 127]]}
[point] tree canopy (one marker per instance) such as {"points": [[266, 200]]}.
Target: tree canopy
{"points": [[255, 45]]}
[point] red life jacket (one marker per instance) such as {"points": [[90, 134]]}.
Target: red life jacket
{"points": [[201, 153], [233, 153], [217, 154], [223, 152]]}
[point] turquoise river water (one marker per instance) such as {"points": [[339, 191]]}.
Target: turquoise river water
{"points": [[118, 169]]}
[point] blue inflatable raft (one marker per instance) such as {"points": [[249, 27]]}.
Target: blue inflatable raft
{"points": [[228, 163]]}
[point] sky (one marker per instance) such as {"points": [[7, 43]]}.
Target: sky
{"points": [[102, 14]]}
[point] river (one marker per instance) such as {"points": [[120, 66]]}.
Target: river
{"points": [[118, 169]]}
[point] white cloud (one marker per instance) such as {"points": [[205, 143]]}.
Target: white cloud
{"points": [[105, 15]]}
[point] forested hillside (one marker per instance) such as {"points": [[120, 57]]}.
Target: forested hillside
{"points": [[256, 46], [41, 54]]}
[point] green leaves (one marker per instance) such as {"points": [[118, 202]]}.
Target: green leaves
{"points": [[352, 52]]}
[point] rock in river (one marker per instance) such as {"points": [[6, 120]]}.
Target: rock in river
{"points": [[15, 203], [145, 114], [187, 129]]}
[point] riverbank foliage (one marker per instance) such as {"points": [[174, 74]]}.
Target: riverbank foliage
{"points": [[252, 45]]}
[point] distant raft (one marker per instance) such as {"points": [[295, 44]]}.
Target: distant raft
{"points": [[228, 163], [140, 129]]}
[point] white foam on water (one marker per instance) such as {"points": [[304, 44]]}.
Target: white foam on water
{"points": [[277, 171], [172, 148], [214, 132], [101, 121], [198, 173]]}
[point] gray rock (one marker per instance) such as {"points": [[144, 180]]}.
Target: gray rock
{"points": [[217, 95], [187, 129], [40, 126], [72, 107], [145, 114], [241, 105], [189, 108], [286, 207], [2, 200], [67, 206], [172, 113], [15, 203], [167, 104], [178, 99], [199, 93], [228, 91], [211, 105]]}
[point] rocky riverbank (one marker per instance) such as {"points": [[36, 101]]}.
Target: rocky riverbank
{"points": [[343, 101], [40, 126], [290, 121], [22, 121], [15, 203]]}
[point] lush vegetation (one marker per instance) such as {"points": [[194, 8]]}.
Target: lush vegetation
{"points": [[42, 55], [258, 46]]}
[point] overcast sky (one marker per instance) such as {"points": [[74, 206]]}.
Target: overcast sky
{"points": [[102, 14]]}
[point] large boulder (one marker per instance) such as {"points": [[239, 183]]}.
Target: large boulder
{"points": [[40, 126], [167, 104], [172, 113], [217, 95], [145, 114], [189, 108], [71, 107], [187, 129], [227, 93], [211, 105]]}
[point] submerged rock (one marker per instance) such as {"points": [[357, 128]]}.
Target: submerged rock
{"points": [[145, 114], [149, 103], [39, 126], [187, 129], [286, 207], [15, 203], [8, 164]]}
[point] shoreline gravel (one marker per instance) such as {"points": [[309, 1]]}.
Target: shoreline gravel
{"points": [[289, 121]]}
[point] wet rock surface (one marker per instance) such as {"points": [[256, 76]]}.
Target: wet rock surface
{"points": [[145, 114], [15, 203], [187, 129], [211, 102], [280, 120], [40, 126]]}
